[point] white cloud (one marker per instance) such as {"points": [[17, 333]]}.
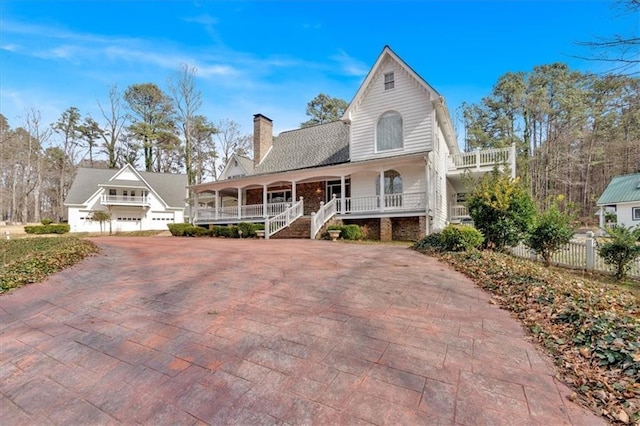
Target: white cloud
{"points": [[350, 66]]}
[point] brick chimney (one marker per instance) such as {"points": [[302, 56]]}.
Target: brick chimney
{"points": [[262, 137]]}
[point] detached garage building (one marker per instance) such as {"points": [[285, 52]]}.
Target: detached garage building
{"points": [[136, 201]]}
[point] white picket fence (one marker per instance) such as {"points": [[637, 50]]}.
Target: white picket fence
{"points": [[577, 255]]}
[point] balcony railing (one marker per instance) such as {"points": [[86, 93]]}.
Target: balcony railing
{"points": [[485, 158], [458, 211], [140, 200]]}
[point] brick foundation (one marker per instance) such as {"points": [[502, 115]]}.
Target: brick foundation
{"points": [[407, 228], [387, 229]]}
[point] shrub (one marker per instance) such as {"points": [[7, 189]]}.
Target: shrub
{"points": [[461, 238], [620, 249], [347, 232], [552, 231], [502, 209], [46, 221], [249, 229], [225, 231], [178, 229], [55, 228], [432, 242]]}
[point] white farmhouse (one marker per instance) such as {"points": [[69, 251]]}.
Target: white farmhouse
{"points": [[391, 165]]}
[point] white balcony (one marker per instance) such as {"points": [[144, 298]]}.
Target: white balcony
{"points": [[482, 160], [458, 213], [124, 200]]}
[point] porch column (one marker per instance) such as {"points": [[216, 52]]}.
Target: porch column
{"points": [[293, 192], [239, 203], [427, 208], [216, 204], [601, 218], [265, 212], [514, 156], [381, 190], [342, 194], [194, 211]]}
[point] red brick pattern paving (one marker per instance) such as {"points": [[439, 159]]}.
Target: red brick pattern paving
{"points": [[191, 331]]}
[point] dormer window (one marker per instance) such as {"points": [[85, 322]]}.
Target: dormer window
{"points": [[389, 81], [389, 132]]}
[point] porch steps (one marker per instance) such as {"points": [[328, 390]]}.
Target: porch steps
{"points": [[300, 229]]}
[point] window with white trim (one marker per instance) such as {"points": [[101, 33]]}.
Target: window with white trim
{"points": [[389, 80], [389, 132], [635, 213]]}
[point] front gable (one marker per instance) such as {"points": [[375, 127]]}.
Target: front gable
{"points": [[236, 167], [391, 90]]}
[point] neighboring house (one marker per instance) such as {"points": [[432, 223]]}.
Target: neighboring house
{"points": [[621, 196], [136, 201], [391, 165]]}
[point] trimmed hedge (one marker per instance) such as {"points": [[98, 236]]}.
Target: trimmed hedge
{"points": [[188, 230], [55, 228]]}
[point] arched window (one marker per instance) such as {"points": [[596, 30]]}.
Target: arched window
{"points": [[389, 131]]}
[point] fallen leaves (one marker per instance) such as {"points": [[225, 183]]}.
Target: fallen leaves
{"points": [[591, 329]]}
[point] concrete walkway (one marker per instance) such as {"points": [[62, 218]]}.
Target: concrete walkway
{"points": [[183, 331]]}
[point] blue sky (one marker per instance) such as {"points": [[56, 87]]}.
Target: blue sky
{"points": [[274, 57]]}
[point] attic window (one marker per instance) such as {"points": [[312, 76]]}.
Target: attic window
{"points": [[389, 81]]}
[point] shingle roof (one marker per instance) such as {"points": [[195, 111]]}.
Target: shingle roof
{"points": [[621, 189], [321, 145], [246, 163], [170, 187]]}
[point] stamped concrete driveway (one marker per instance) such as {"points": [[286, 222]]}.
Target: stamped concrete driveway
{"points": [[185, 331]]}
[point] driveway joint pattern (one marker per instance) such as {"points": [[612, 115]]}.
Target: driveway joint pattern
{"points": [[212, 331]]}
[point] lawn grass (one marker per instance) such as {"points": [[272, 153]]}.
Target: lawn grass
{"points": [[29, 260], [588, 324]]}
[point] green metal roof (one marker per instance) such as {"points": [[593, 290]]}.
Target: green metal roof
{"points": [[621, 189]]}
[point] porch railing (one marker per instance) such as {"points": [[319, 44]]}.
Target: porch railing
{"points": [[251, 211], [284, 219], [139, 200], [324, 213], [376, 203], [480, 158]]}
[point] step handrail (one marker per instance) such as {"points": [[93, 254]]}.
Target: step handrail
{"points": [[324, 213], [279, 222]]}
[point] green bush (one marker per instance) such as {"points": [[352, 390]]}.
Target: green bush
{"points": [[502, 209], [178, 229], [225, 231], [620, 249], [55, 228], [552, 231], [432, 242], [347, 232], [249, 229], [46, 221], [461, 238]]}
